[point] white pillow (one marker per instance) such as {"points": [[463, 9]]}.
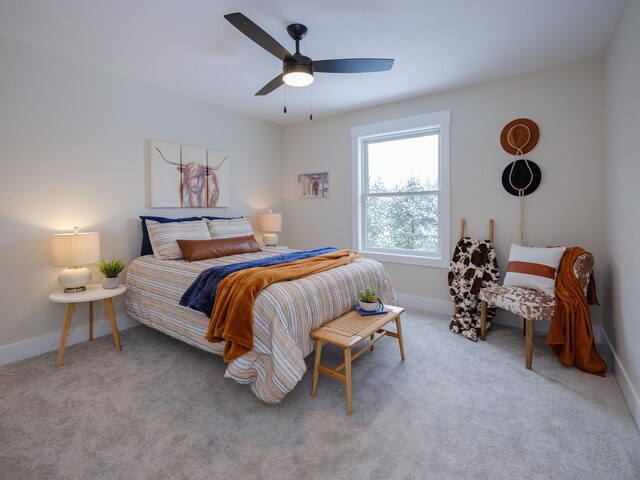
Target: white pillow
{"points": [[535, 268], [235, 227], [164, 237]]}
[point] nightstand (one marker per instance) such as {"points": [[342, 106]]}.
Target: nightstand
{"points": [[94, 292]]}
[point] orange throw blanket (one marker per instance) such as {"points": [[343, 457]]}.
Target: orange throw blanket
{"points": [[570, 335], [232, 315]]}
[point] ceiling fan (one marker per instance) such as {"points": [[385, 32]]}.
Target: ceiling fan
{"points": [[297, 69]]}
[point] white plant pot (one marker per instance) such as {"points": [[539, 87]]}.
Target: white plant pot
{"points": [[369, 307], [109, 283]]}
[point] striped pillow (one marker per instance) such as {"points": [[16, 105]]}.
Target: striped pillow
{"points": [[535, 268], [145, 248], [237, 227], [164, 237]]}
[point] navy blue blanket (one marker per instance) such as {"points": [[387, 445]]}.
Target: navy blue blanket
{"points": [[202, 292]]}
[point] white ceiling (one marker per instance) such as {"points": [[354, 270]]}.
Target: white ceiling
{"points": [[187, 46]]}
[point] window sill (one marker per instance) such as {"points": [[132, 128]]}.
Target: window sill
{"points": [[408, 259]]}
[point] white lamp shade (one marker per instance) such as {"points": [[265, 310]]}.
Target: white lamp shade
{"points": [[73, 249], [271, 222]]}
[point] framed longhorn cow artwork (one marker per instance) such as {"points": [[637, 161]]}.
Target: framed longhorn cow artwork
{"points": [[187, 176]]}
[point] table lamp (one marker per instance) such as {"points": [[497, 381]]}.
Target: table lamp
{"points": [[72, 250], [270, 223]]}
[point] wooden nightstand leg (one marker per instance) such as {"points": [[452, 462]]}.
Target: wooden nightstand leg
{"points": [[90, 321], [372, 337], [108, 304], [314, 384], [347, 373], [400, 341], [65, 333]]}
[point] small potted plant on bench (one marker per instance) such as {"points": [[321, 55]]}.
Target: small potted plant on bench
{"points": [[369, 301], [111, 269]]}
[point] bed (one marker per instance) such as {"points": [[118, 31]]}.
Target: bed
{"points": [[284, 313]]}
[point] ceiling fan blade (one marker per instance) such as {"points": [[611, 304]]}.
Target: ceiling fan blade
{"points": [[258, 35], [271, 86], [353, 65]]}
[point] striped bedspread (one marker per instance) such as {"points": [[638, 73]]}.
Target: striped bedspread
{"points": [[284, 313]]}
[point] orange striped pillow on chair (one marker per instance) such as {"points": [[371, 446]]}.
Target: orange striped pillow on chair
{"points": [[535, 268]]}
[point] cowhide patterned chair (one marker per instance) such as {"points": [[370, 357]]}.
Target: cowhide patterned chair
{"points": [[531, 305]]}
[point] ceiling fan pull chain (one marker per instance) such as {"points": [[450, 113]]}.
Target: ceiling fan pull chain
{"points": [[285, 98], [311, 103]]}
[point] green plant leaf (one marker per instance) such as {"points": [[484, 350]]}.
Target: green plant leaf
{"points": [[111, 268], [368, 295]]}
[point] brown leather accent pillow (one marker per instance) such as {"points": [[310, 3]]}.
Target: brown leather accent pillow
{"points": [[194, 250]]}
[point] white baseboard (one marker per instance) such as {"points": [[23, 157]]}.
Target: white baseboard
{"points": [[507, 319], [629, 391], [444, 307], [45, 343]]}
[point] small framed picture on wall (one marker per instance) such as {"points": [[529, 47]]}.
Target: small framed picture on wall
{"points": [[313, 185]]}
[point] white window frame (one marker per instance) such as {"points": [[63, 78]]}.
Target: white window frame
{"points": [[359, 134]]}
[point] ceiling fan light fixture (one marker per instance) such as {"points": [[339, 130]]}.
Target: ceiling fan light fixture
{"points": [[298, 69], [298, 75]]}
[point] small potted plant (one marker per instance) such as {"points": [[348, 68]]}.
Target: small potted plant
{"points": [[369, 301], [111, 269]]}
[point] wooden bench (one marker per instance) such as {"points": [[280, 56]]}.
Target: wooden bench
{"points": [[349, 331]]}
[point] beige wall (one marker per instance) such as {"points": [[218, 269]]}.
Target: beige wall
{"points": [[565, 102], [73, 152], [622, 193]]}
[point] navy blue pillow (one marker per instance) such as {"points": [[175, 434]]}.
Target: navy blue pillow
{"points": [[146, 249], [219, 218]]}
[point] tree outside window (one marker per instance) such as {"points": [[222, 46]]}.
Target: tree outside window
{"points": [[401, 192]]}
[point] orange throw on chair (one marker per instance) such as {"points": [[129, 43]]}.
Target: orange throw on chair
{"points": [[570, 334], [232, 315]]}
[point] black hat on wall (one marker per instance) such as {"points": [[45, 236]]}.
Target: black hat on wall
{"points": [[521, 174]]}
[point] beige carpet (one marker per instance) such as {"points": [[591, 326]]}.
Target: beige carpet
{"points": [[454, 409]]}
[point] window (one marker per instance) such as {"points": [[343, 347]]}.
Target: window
{"points": [[401, 191]]}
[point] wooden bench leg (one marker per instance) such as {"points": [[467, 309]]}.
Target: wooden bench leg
{"points": [[347, 373], [483, 319], [314, 384], [529, 341], [400, 341]]}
